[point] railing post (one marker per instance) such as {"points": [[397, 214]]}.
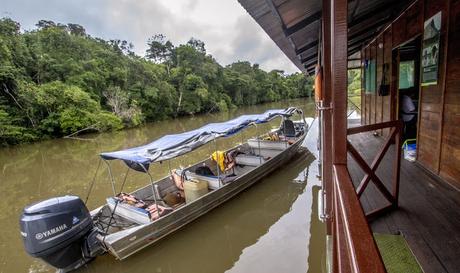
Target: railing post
{"points": [[397, 163], [339, 58]]}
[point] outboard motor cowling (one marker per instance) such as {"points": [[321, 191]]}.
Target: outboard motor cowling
{"points": [[56, 230]]}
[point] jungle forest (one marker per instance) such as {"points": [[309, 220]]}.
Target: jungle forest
{"points": [[57, 80]]}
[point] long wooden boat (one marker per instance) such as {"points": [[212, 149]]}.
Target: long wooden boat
{"points": [[122, 229]]}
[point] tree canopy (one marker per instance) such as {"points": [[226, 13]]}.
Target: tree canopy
{"points": [[56, 80]]}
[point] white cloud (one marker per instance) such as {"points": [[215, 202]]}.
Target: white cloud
{"points": [[230, 34]]}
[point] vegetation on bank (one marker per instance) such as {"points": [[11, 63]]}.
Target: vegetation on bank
{"points": [[354, 89], [354, 82], [56, 80]]}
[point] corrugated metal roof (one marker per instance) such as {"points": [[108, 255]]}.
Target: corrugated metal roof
{"points": [[294, 25]]}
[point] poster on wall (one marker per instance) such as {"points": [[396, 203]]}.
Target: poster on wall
{"points": [[430, 50]]}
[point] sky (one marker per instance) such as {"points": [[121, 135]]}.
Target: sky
{"points": [[229, 32]]}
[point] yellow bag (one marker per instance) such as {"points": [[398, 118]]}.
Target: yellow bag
{"points": [[219, 157]]}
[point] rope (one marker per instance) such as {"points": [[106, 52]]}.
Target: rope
{"points": [[93, 182]]}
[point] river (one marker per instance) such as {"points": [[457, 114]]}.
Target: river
{"points": [[271, 227]]}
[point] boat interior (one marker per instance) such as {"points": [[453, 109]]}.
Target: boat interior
{"points": [[118, 214]]}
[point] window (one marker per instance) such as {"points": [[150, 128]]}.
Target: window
{"points": [[370, 76], [406, 74]]}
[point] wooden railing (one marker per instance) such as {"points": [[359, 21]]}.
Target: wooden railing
{"points": [[370, 171], [354, 248]]}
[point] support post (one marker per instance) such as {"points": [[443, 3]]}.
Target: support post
{"points": [[326, 115], [154, 193], [284, 132], [112, 180], [217, 162], [339, 57], [258, 143]]}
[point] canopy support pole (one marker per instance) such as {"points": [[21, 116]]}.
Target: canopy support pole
{"points": [[169, 167], [112, 180], [124, 180], [258, 143], [93, 181], [284, 132], [217, 162], [153, 189], [116, 204]]}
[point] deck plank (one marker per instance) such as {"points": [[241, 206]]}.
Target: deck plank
{"points": [[428, 216]]}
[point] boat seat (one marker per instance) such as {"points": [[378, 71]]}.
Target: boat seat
{"points": [[213, 181], [288, 128], [249, 160], [132, 213], [267, 144]]}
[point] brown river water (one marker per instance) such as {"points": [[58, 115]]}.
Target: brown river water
{"points": [[270, 227]]}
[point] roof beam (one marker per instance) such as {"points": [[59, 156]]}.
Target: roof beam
{"points": [[311, 72], [354, 49], [311, 67], [275, 12], [361, 39], [306, 47], [309, 57], [383, 7], [312, 61], [288, 31], [370, 24]]}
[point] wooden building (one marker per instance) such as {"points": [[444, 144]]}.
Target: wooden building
{"points": [[437, 103], [409, 54]]}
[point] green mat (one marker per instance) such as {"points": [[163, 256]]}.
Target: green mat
{"points": [[396, 254]]}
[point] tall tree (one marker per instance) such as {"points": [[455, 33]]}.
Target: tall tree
{"points": [[159, 48]]}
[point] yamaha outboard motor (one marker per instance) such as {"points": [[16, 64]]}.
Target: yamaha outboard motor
{"points": [[60, 232]]}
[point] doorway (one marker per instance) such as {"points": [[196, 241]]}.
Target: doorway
{"points": [[407, 66]]}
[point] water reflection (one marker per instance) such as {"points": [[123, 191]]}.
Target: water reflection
{"points": [[267, 224]]}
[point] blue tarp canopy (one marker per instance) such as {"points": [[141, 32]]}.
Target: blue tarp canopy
{"points": [[171, 146]]}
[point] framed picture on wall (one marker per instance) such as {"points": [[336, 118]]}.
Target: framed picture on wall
{"points": [[430, 50]]}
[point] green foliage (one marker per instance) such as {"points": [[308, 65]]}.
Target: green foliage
{"points": [[57, 80], [354, 82], [13, 134]]}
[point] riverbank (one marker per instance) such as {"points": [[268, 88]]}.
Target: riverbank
{"points": [[56, 80], [89, 134]]}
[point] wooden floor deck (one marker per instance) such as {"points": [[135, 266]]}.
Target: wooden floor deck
{"points": [[429, 211]]}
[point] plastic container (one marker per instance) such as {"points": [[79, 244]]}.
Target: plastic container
{"points": [[194, 189], [410, 149]]}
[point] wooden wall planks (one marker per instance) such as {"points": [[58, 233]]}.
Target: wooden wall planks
{"points": [[387, 60], [363, 92], [378, 97], [367, 95], [430, 119], [450, 149], [373, 56], [439, 120]]}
